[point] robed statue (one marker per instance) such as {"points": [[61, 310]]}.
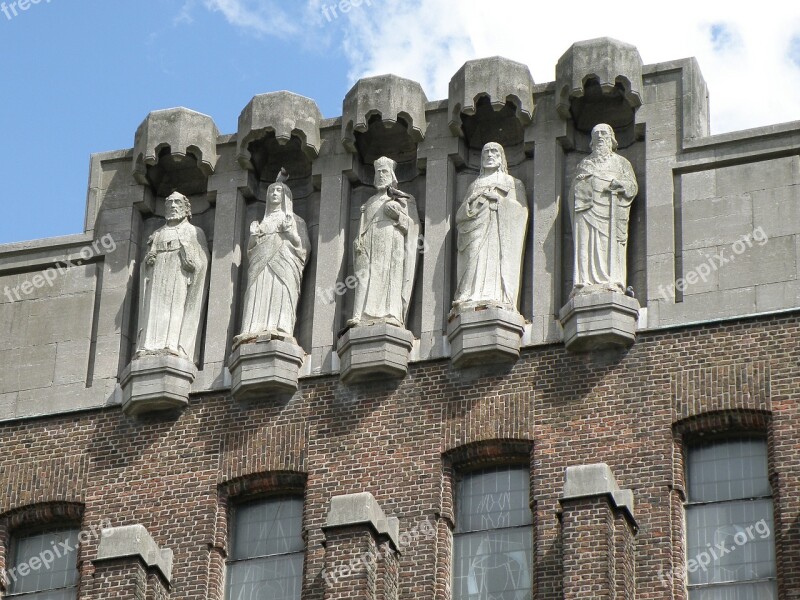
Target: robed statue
{"points": [[385, 252], [173, 284], [491, 222], [600, 203], [277, 253]]}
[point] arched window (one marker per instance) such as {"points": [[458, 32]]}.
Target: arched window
{"points": [[493, 537], [44, 565], [729, 522], [266, 550]]}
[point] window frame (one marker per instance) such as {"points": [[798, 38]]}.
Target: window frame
{"points": [[701, 441], [478, 468], [251, 500], [36, 529]]}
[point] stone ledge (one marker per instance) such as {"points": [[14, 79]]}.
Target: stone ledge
{"points": [[490, 335], [374, 351], [599, 320], [134, 540], [264, 367], [156, 383], [362, 509]]}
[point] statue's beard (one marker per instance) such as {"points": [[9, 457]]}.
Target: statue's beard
{"points": [[603, 151]]}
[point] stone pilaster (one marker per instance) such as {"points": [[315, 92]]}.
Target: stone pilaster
{"points": [[597, 529], [360, 550], [129, 564]]}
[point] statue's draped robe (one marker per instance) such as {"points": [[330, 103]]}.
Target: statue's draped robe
{"points": [[597, 263], [172, 296], [274, 277], [491, 242], [385, 260]]}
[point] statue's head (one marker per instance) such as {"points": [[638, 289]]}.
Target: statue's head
{"points": [[384, 173], [279, 195], [603, 139], [493, 158], [178, 207]]}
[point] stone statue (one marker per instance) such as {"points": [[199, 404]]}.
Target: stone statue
{"points": [[491, 223], [173, 284], [385, 252], [600, 203], [278, 250]]}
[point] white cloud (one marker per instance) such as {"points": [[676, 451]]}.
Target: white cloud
{"points": [[751, 78], [257, 16], [745, 53]]}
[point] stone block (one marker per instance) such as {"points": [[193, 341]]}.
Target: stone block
{"points": [[598, 321], [362, 509], [487, 335], [156, 383], [134, 541], [265, 367], [718, 221], [583, 481], [374, 352]]}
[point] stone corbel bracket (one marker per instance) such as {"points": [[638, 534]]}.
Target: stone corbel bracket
{"points": [[185, 132], [378, 351], [598, 321], [394, 99], [134, 541], [156, 383], [362, 509], [500, 79], [615, 66], [286, 115]]}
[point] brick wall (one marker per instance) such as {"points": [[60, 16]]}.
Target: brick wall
{"points": [[630, 409]]}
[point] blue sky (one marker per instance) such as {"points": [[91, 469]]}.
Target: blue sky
{"points": [[77, 77]]}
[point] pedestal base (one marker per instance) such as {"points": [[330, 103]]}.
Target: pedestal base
{"points": [[485, 336], [265, 367], [600, 320], [157, 383], [374, 352]]}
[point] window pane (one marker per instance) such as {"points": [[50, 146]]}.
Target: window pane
{"points": [[493, 565], [765, 590], [731, 541], [494, 499], [728, 471], [268, 528], [67, 594], [49, 560], [277, 578]]}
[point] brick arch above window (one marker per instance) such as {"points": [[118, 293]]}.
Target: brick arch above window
{"points": [[476, 456], [253, 487], [710, 425]]}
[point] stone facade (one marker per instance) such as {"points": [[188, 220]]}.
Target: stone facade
{"points": [[712, 261]]}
